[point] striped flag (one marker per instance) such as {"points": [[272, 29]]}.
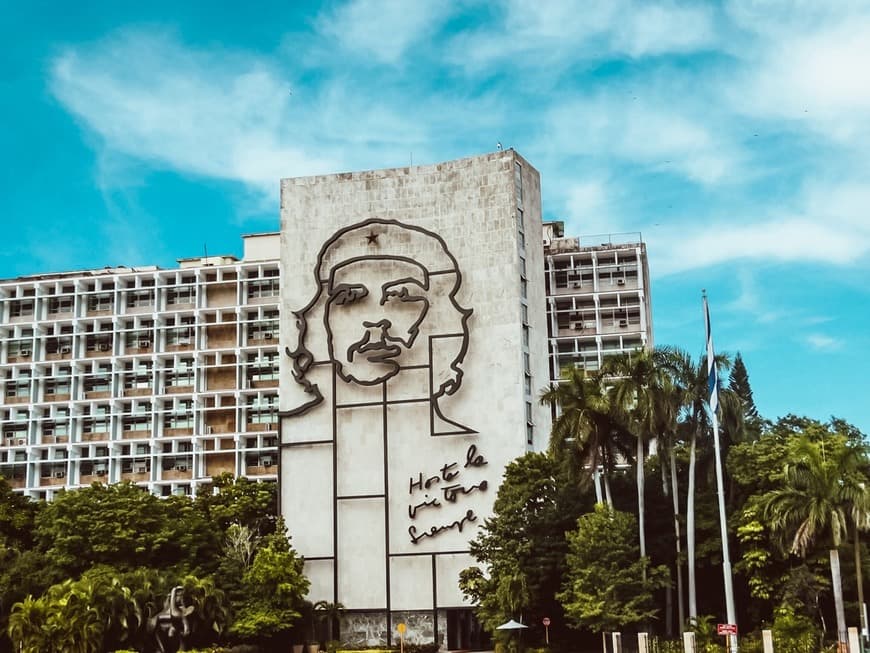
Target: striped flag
{"points": [[712, 372]]}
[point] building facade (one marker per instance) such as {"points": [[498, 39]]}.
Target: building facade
{"points": [[160, 377], [418, 318], [598, 298], [417, 338]]}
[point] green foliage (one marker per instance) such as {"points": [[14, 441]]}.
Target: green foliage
{"points": [[706, 637], [273, 586], [229, 500], [756, 559], [607, 586], [794, 633], [523, 545], [124, 526]]}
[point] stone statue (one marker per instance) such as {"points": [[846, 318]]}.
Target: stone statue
{"points": [[171, 626]]}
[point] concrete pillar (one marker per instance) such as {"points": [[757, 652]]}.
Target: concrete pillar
{"points": [[617, 642], [767, 640], [643, 643], [689, 642], [854, 641]]}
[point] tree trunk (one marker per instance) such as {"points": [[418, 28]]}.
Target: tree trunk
{"points": [[675, 494], [859, 577], [608, 496], [641, 483], [669, 590], [837, 586], [596, 481], [690, 529]]}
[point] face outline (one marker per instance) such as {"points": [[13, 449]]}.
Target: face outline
{"points": [[374, 309]]}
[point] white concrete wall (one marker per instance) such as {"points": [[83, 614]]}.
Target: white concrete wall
{"points": [[378, 451]]}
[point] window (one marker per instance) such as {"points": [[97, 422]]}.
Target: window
{"points": [[100, 302], [138, 338], [527, 384], [19, 387], [100, 380], [518, 183], [21, 308], [524, 288], [61, 344], [529, 423], [140, 298], [263, 367], [524, 311], [178, 416], [181, 374], [61, 383], [20, 348], [62, 304], [265, 329], [525, 336], [181, 295], [263, 410], [137, 417], [96, 421], [137, 375], [183, 333], [269, 287]]}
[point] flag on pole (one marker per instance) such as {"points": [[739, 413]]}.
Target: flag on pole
{"points": [[712, 372]]}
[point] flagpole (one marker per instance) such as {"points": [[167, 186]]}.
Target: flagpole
{"points": [[713, 380]]}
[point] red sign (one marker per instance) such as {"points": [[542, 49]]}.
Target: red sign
{"points": [[546, 621], [726, 629]]}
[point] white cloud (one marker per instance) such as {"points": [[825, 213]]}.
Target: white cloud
{"points": [[383, 29], [648, 132], [821, 342], [540, 34], [223, 116], [808, 68], [231, 116], [777, 240]]}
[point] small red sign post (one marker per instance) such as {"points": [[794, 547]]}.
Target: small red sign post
{"points": [[546, 622], [726, 629]]}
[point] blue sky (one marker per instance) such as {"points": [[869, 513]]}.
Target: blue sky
{"points": [[734, 135]]}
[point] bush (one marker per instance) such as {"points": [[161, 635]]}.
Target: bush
{"points": [[794, 633]]}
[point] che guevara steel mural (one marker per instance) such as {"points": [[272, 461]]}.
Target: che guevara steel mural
{"points": [[385, 315]]}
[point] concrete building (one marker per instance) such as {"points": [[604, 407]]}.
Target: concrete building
{"points": [[418, 344], [422, 318], [598, 297], [160, 377]]}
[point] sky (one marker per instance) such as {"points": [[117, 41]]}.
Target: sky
{"points": [[734, 136]]}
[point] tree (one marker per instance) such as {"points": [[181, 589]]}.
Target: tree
{"points": [[274, 589], [123, 526], [823, 490], [639, 385], [738, 381], [522, 545], [607, 585], [589, 424], [229, 500], [693, 378]]}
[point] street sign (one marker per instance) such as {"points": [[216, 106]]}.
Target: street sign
{"points": [[546, 621], [401, 628], [726, 629]]}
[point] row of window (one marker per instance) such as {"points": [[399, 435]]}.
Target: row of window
{"points": [[176, 332], [134, 295], [135, 375]]}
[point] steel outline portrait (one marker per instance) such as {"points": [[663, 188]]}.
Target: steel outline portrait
{"points": [[410, 291]]}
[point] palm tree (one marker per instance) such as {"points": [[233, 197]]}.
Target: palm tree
{"points": [[692, 377], [821, 491], [331, 614], [588, 426], [638, 380]]}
